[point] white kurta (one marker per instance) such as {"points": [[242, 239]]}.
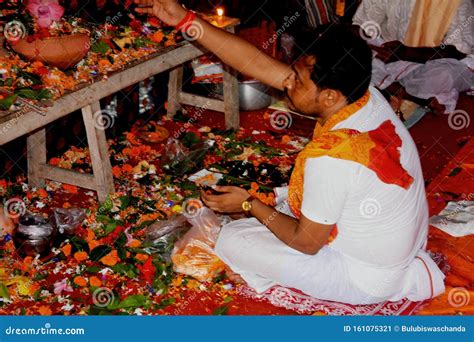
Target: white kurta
{"points": [[440, 78], [382, 230]]}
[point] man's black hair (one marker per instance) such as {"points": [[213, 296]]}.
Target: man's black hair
{"points": [[343, 60]]}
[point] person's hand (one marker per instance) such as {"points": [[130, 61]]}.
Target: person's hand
{"points": [[230, 201], [168, 11], [390, 52]]}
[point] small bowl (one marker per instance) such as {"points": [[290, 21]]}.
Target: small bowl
{"points": [[33, 235], [63, 52]]}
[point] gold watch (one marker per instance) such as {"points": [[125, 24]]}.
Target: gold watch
{"points": [[247, 205]]}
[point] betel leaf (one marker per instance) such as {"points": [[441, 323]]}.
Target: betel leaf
{"points": [[100, 47], [222, 310], [7, 102], [99, 252], [128, 270], [93, 269], [33, 94], [79, 244], [131, 302]]}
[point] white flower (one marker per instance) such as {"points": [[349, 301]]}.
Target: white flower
{"points": [[40, 205], [67, 307]]}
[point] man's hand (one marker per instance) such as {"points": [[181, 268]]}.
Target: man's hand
{"points": [[168, 11], [230, 201], [390, 52]]}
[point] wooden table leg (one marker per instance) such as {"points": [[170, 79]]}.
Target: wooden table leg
{"points": [[36, 147], [99, 153], [175, 85], [231, 99], [231, 96]]}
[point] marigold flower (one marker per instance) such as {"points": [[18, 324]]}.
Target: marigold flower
{"points": [[81, 256], [80, 281], [95, 282], [110, 259]]}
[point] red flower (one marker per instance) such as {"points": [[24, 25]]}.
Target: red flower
{"points": [[136, 25], [147, 270], [154, 21]]}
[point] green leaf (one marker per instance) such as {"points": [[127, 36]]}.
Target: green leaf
{"points": [[4, 291], [79, 244], [128, 270], [93, 269], [100, 47], [220, 311], [7, 102], [121, 240], [99, 252], [131, 302], [164, 303], [34, 94]]}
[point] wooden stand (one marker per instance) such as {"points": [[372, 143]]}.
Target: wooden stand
{"points": [[14, 125]]}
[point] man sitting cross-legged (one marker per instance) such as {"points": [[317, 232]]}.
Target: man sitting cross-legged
{"points": [[354, 219]]}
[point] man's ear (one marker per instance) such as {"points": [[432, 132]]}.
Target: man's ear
{"points": [[329, 97], [310, 61]]}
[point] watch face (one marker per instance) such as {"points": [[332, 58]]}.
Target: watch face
{"points": [[246, 206]]}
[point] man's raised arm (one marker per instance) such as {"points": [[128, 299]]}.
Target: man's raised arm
{"points": [[232, 50]]}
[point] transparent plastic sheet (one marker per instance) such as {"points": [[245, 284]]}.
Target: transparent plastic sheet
{"points": [[67, 220], [180, 160], [193, 254], [161, 236]]}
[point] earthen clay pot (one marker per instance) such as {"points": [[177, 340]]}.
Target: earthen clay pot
{"points": [[62, 52]]}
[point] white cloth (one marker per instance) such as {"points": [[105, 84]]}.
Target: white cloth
{"points": [[457, 219], [441, 78], [382, 229]]}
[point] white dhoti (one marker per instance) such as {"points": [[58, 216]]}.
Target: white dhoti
{"points": [[263, 261]]}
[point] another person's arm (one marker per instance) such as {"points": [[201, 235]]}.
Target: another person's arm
{"points": [[232, 50], [396, 51]]}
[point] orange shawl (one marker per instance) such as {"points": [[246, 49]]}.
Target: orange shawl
{"points": [[376, 149]]}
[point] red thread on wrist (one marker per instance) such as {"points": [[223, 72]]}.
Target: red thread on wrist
{"points": [[186, 22]]}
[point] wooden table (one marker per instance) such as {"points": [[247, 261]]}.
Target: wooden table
{"points": [[32, 124]]}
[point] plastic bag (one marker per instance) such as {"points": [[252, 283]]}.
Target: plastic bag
{"points": [[193, 254], [67, 220], [180, 160], [162, 235]]}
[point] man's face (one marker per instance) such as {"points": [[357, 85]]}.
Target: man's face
{"points": [[302, 93]]}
